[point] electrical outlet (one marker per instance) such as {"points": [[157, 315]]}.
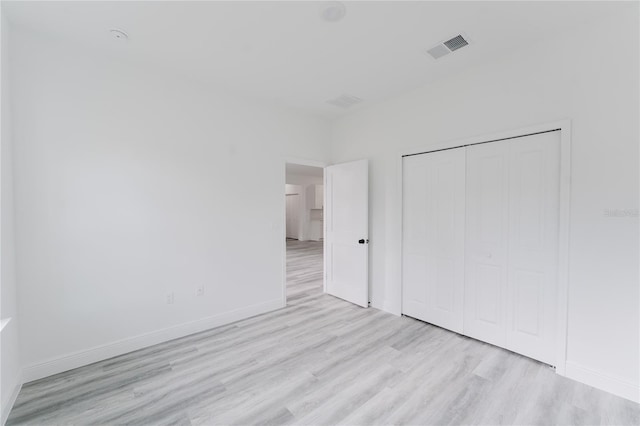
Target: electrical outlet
{"points": [[200, 290], [170, 298]]}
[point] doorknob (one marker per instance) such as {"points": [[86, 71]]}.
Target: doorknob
{"points": [[363, 241]]}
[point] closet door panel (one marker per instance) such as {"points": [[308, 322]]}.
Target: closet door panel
{"points": [[414, 264], [444, 280], [533, 245], [486, 242], [433, 275], [445, 247]]}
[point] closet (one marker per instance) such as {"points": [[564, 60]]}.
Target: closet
{"points": [[480, 241]]}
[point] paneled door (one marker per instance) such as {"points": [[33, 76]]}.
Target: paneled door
{"points": [[433, 237], [534, 189], [512, 244], [487, 241], [347, 231]]}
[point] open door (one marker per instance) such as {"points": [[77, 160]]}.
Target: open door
{"points": [[347, 231]]}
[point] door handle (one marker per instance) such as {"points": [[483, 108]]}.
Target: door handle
{"points": [[363, 241]]}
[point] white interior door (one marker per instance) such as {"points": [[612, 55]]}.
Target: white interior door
{"points": [[433, 237], [347, 231]]}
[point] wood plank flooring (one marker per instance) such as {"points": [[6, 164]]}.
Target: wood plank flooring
{"points": [[319, 361]]}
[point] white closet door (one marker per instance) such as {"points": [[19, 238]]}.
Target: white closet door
{"points": [[511, 244], [534, 178], [486, 242], [433, 240]]}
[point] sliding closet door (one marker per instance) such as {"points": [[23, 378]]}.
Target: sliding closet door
{"points": [[512, 244], [534, 179], [433, 237], [487, 241]]}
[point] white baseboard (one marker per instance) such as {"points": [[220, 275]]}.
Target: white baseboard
{"points": [[8, 404], [109, 350], [603, 381]]}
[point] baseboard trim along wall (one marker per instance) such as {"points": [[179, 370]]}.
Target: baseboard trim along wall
{"points": [[8, 404], [110, 350], [603, 381]]}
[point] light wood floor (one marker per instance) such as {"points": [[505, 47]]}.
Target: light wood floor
{"points": [[319, 361]]}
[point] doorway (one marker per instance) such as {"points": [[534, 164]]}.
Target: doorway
{"points": [[304, 233]]}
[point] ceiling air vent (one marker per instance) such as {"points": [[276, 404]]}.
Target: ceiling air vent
{"points": [[345, 101], [456, 43], [447, 47]]}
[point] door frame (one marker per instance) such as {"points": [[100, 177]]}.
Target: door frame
{"points": [[300, 162], [564, 127]]}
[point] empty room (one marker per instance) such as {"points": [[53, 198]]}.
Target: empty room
{"points": [[320, 212]]}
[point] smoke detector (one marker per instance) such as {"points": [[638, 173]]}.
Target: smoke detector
{"points": [[446, 47], [332, 11], [118, 35], [345, 101]]}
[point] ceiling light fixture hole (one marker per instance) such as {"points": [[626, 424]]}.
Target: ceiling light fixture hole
{"points": [[119, 35]]}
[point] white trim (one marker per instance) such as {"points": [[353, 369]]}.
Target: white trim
{"points": [[400, 230], [109, 350], [300, 162], [324, 232], [8, 405], [564, 226], [564, 127], [603, 381], [283, 255]]}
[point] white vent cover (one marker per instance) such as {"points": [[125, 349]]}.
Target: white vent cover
{"points": [[448, 46], [345, 101]]}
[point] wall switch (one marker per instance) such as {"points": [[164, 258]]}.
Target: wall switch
{"points": [[170, 298], [200, 290]]}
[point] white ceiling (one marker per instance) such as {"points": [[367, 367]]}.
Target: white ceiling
{"points": [[284, 52]]}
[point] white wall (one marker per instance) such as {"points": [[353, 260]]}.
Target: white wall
{"points": [[130, 184], [10, 368], [294, 179], [589, 76]]}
